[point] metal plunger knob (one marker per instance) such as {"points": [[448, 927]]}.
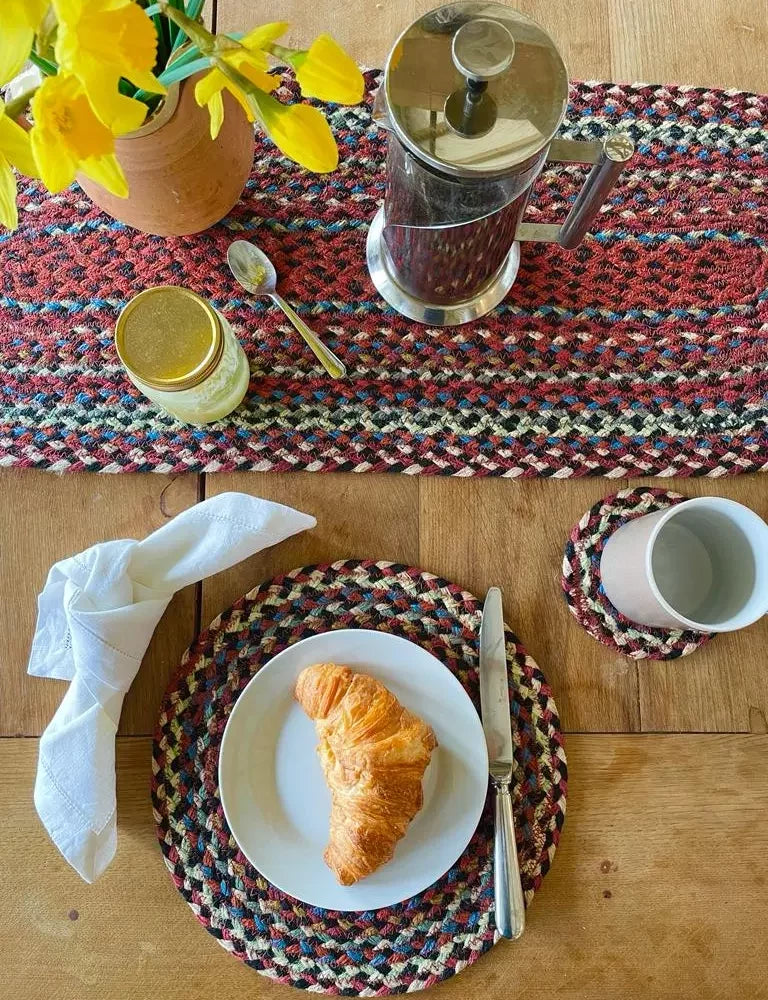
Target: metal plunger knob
{"points": [[482, 49]]}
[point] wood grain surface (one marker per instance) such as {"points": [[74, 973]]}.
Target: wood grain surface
{"points": [[659, 886], [658, 890], [715, 43], [479, 533], [45, 517]]}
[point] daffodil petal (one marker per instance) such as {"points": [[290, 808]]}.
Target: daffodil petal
{"points": [[208, 85], [138, 45], [299, 131], [68, 10], [264, 81], [120, 113], [264, 35], [241, 99], [68, 136], [244, 57], [19, 20], [9, 215], [216, 111], [102, 41], [57, 168], [15, 43], [15, 145], [105, 170], [145, 81], [328, 73]]}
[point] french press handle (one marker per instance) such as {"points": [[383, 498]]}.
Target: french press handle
{"points": [[609, 157]]}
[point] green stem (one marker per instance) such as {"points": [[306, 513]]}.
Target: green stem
{"points": [[193, 52], [285, 55], [195, 31], [192, 10], [44, 65], [19, 104], [242, 83]]}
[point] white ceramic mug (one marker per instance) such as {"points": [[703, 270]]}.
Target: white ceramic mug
{"points": [[702, 564]]}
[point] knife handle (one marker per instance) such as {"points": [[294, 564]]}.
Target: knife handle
{"points": [[507, 887]]}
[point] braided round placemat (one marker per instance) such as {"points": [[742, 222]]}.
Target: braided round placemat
{"points": [[583, 588], [398, 949]]}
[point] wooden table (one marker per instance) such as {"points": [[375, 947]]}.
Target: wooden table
{"points": [[659, 886]]}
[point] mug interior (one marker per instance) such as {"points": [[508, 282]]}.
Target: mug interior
{"points": [[709, 562]]}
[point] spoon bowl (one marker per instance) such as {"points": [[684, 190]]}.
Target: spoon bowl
{"points": [[255, 272], [252, 268]]}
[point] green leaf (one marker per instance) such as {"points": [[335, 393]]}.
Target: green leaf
{"points": [[44, 65], [192, 53], [176, 35], [127, 88], [179, 71], [194, 30], [162, 39], [194, 8]]}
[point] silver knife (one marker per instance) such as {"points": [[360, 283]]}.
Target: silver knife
{"points": [[494, 703]]}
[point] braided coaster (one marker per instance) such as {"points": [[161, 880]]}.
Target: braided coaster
{"points": [[395, 950], [584, 591]]}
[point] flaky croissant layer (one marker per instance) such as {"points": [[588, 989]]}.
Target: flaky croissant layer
{"points": [[374, 753]]}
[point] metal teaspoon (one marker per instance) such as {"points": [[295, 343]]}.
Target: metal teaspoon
{"points": [[256, 273]]}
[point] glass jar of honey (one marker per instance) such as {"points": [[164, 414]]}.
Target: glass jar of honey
{"points": [[182, 354]]}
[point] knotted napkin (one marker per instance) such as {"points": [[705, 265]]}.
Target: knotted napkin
{"points": [[96, 615]]}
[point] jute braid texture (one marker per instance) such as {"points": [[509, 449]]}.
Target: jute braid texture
{"points": [[583, 589], [642, 352], [395, 950]]}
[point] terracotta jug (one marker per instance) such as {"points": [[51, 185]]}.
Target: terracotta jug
{"points": [[180, 180]]}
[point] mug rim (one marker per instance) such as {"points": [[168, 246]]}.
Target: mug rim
{"points": [[669, 608]]}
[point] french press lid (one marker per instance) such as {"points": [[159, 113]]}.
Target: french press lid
{"points": [[475, 89]]}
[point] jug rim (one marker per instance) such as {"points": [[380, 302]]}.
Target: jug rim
{"points": [[526, 119]]}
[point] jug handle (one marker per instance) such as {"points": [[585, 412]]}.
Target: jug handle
{"points": [[609, 157]]}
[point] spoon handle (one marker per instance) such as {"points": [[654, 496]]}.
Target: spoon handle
{"points": [[326, 357]]}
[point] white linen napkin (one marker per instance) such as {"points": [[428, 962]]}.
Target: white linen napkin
{"points": [[96, 615]]}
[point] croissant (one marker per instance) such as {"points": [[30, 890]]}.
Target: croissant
{"points": [[374, 753]]}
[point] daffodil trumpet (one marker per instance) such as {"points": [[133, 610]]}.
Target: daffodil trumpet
{"points": [[106, 66]]}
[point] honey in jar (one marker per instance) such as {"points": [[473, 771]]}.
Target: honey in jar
{"points": [[182, 354]]}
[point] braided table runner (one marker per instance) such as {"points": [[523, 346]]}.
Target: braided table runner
{"points": [[394, 950], [583, 590], [642, 352]]}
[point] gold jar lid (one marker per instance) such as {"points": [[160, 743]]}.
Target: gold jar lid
{"points": [[169, 338]]}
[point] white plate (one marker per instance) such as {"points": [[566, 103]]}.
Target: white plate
{"points": [[275, 797]]}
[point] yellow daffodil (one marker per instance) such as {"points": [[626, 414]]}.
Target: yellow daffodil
{"points": [[68, 138], [19, 20], [326, 71], [15, 151], [250, 60], [101, 41], [300, 132]]}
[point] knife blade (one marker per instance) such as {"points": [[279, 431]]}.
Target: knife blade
{"points": [[497, 726], [494, 690]]}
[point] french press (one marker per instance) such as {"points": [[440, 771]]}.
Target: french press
{"points": [[472, 96]]}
